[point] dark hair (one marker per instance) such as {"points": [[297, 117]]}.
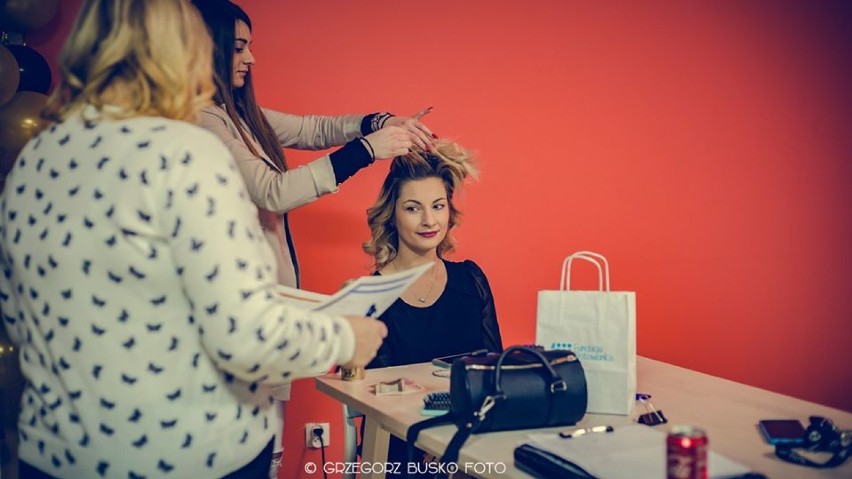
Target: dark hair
{"points": [[447, 161], [221, 17]]}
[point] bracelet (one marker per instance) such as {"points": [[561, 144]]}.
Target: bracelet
{"points": [[378, 121], [369, 147]]}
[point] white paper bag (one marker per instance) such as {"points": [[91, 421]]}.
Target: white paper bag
{"points": [[600, 327]]}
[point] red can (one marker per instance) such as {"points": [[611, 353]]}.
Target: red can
{"points": [[686, 453]]}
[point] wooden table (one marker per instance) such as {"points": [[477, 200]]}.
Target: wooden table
{"points": [[727, 410]]}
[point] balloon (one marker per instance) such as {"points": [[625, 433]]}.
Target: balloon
{"points": [[9, 75], [34, 71], [24, 15], [20, 120]]}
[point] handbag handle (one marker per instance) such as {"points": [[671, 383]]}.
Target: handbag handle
{"points": [[557, 382], [594, 258]]}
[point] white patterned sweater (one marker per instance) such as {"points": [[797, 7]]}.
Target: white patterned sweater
{"points": [[139, 288]]}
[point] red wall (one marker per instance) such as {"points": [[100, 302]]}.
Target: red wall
{"points": [[703, 147]]}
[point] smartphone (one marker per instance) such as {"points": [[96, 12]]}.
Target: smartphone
{"points": [[447, 361], [788, 432]]}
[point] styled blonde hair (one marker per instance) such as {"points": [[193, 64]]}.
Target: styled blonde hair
{"points": [[449, 162], [155, 52]]}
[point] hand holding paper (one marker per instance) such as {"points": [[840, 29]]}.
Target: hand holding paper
{"points": [[369, 334], [366, 296], [359, 300]]}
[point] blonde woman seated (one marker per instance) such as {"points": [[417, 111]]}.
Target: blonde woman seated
{"points": [[450, 309]]}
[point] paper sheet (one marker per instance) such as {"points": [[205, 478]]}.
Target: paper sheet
{"points": [[365, 296], [629, 452]]}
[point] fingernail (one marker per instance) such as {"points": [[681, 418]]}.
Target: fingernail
{"points": [[434, 136]]}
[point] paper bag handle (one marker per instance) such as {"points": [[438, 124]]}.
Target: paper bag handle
{"points": [[603, 273]]}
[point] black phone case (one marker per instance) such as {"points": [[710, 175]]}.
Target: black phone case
{"points": [[774, 432], [447, 361]]}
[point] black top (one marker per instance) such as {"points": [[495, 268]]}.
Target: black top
{"points": [[462, 319]]}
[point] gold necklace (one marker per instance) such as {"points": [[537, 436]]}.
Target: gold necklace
{"points": [[422, 299]]}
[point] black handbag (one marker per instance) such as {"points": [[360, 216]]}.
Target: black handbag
{"points": [[522, 388]]}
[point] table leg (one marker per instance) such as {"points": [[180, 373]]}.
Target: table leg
{"points": [[375, 448]]}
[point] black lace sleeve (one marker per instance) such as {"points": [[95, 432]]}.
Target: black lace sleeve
{"points": [[490, 327]]}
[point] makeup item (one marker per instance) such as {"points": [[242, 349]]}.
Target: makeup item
{"points": [[353, 374], [585, 430]]}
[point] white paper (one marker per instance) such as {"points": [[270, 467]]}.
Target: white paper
{"points": [[365, 296], [629, 452]]}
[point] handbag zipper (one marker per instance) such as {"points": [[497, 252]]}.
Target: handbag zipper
{"points": [[483, 367]]}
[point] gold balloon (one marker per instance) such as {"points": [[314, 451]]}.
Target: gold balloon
{"points": [[24, 15], [9, 75], [20, 120]]}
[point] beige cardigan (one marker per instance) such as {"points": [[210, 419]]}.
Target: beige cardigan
{"points": [[275, 192]]}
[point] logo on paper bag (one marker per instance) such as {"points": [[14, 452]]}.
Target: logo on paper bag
{"points": [[586, 352]]}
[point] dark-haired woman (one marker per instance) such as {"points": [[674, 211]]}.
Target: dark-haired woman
{"points": [[255, 136]]}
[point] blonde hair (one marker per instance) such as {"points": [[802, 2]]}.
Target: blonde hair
{"points": [[154, 52], [449, 162]]}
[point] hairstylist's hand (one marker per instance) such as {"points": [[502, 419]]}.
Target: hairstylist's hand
{"points": [[420, 134], [389, 142], [369, 334]]}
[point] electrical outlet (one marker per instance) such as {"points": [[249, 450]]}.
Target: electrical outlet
{"points": [[311, 440]]}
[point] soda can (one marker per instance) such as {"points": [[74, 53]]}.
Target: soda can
{"points": [[686, 453], [352, 374]]}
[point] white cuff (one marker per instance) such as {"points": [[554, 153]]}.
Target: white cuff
{"points": [[281, 393], [323, 175]]}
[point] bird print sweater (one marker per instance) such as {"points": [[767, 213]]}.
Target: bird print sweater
{"points": [[140, 291]]}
